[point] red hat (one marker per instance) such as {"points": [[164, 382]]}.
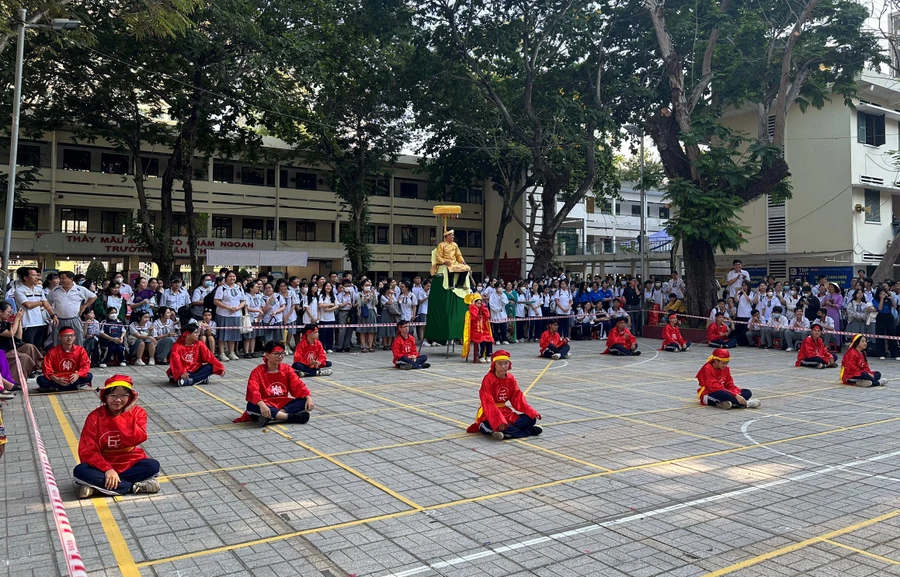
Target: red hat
{"points": [[66, 330], [719, 355], [500, 355], [118, 381]]}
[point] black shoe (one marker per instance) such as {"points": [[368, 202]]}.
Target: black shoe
{"points": [[300, 418], [16, 388], [264, 421], [537, 430], [348, 350], [425, 365]]}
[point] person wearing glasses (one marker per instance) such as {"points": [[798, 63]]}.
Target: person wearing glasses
{"points": [[275, 392], [67, 366]]}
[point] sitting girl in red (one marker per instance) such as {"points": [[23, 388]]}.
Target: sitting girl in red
{"points": [[672, 339], [855, 366]]}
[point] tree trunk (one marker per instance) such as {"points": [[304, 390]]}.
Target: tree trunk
{"points": [[189, 144], [505, 219], [543, 252], [885, 268], [699, 276], [357, 265]]}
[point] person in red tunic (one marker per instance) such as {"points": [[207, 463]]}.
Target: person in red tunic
{"points": [[672, 339], [480, 329], [813, 352], [717, 388], [275, 392], [190, 361], [504, 412], [553, 346], [855, 366], [718, 334], [67, 366], [309, 356], [406, 356], [621, 342], [112, 461]]}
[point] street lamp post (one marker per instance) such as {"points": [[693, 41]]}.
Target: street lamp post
{"points": [[645, 273], [56, 24]]}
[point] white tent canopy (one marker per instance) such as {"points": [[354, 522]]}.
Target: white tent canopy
{"points": [[227, 257]]}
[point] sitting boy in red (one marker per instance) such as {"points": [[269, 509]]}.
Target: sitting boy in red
{"points": [[620, 341], [813, 352], [717, 388], [497, 418], [275, 392], [672, 339]]}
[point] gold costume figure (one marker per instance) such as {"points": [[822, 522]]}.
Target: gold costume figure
{"points": [[448, 253]]}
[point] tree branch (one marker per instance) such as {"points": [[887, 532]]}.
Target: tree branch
{"points": [[706, 71]]}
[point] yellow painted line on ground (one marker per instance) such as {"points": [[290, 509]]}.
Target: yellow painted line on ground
{"points": [[537, 378], [801, 544], [862, 552], [117, 543], [795, 419], [563, 456], [218, 398]]}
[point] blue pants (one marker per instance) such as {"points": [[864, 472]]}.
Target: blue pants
{"points": [[729, 344], [813, 361], [45, 383], [116, 350], [416, 364], [294, 406], [485, 349], [140, 471], [720, 396], [551, 350], [307, 370], [201, 374], [564, 323], [622, 351], [873, 378], [521, 428], [326, 334], [535, 329]]}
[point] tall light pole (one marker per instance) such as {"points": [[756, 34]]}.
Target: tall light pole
{"points": [[56, 24], [645, 273]]}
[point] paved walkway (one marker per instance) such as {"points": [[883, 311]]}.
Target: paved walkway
{"points": [[631, 476]]}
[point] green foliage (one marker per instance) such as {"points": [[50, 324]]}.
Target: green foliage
{"points": [[96, 272], [628, 168], [26, 178]]}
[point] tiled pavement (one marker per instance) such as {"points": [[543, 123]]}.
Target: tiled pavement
{"points": [[631, 476]]}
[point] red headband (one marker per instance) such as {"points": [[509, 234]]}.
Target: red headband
{"points": [[277, 349]]}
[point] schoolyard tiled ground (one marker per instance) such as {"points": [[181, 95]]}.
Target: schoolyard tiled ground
{"points": [[631, 476]]}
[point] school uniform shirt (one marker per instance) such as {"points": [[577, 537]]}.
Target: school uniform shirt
{"points": [[614, 314], [271, 317], [276, 389], [501, 402], [326, 316], [64, 364], [231, 296], [117, 302], [91, 329], [548, 338], [712, 314], [765, 306], [114, 328], [672, 336], [745, 304], [421, 298], [163, 328], [497, 304], [344, 300], [853, 365], [34, 317], [199, 294], [715, 332], [175, 300], [407, 302], [779, 323], [712, 380], [827, 323], [404, 348], [813, 348], [112, 442], [799, 323], [135, 330], [189, 359], [307, 353], [564, 302], [736, 285], [534, 305], [254, 302], [624, 338], [674, 286], [310, 310]]}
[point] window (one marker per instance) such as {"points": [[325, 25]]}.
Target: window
{"points": [[605, 207], [25, 218], [73, 220], [590, 204], [113, 222], [618, 208], [113, 163], [635, 210], [379, 187], [432, 236], [409, 190], [476, 195], [221, 227], [607, 246], [270, 177], [870, 128], [252, 228], [306, 230], [461, 238], [282, 230], [663, 212], [474, 239], [381, 235], [369, 235], [873, 205], [151, 166], [409, 235], [305, 180], [283, 178], [28, 155], [223, 172], [77, 160], [252, 176], [459, 195], [180, 227]]}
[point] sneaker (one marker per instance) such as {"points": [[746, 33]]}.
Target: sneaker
{"points": [[425, 344], [497, 435], [151, 485], [485, 361], [724, 405], [687, 347], [6, 395], [248, 355], [537, 430], [139, 363], [223, 357], [882, 358], [568, 356], [405, 367], [753, 404], [123, 364], [102, 365], [820, 365], [555, 356], [85, 387], [300, 418], [16, 388], [863, 383], [883, 382], [326, 372], [264, 421], [83, 491], [234, 357], [426, 365], [505, 343], [185, 382], [329, 351], [151, 362]]}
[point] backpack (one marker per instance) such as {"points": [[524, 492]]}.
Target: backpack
{"points": [[209, 301]]}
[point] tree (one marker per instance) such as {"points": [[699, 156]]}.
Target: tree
{"points": [[777, 55], [96, 272], [560, 75], [628, 168]]}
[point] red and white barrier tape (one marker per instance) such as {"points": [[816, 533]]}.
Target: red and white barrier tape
{"points": [[74, 562], [797, 329]]}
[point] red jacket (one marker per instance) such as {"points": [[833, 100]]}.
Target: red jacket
{"points": [[307, 353], [404, 348], [187, 359], [715, 332], [480, 324], [712, 380], [62, 364], [549, 338], [813, 348], [109, 442], [276, 389], [625, 338], [495, 394], [672, 336], [853, 365]]}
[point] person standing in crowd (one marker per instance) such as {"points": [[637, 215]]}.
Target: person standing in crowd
{"points": [[563, 308], [736, 278], [66, 366], [327, 307], [632, 296], [858, 310], [421, 293], [367, 313], [833, 301], [125, 288], [535, 323], [390, 314], [407, 303], [523, 297], [884, 324], [254, 301], [345, 303], [91, 330], [51, 281], [144, 297], [175, 296], [675, 285], [272, 313], [191, 362], [69, 301], [497, 302], [504, 411], [207, 283], [229, 301], [30, 297]]}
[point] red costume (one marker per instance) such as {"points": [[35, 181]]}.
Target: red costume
{"points": [[111, 442], [554, 339], [62, 364], [620, 337], [712, 380], [189, 358], [853, 365], [480, 324], [672, 336], [496, 397], [813, 348], [276, 389], [307, 353], [404, 347], [716, 332]]}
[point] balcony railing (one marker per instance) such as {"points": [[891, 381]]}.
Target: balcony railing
{"points": [[624, 247]]}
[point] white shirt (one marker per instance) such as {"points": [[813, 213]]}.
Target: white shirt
{"points": [[674, 286], [745, 305], [254, 302], [712, 314], [326, 316], [422, 298], [199, 293], [290, 301], [67, 304], [828, 323], [344, 301], [736, 286], [407, 302], [534, 308], [33, 317], [231, 296], [766, 305], [176, 300], [497, 303], [564, 302], [125, 290], [271, 317], [310, 310], [800, 322], [779, 323], [136, 330], [162, 328]]}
